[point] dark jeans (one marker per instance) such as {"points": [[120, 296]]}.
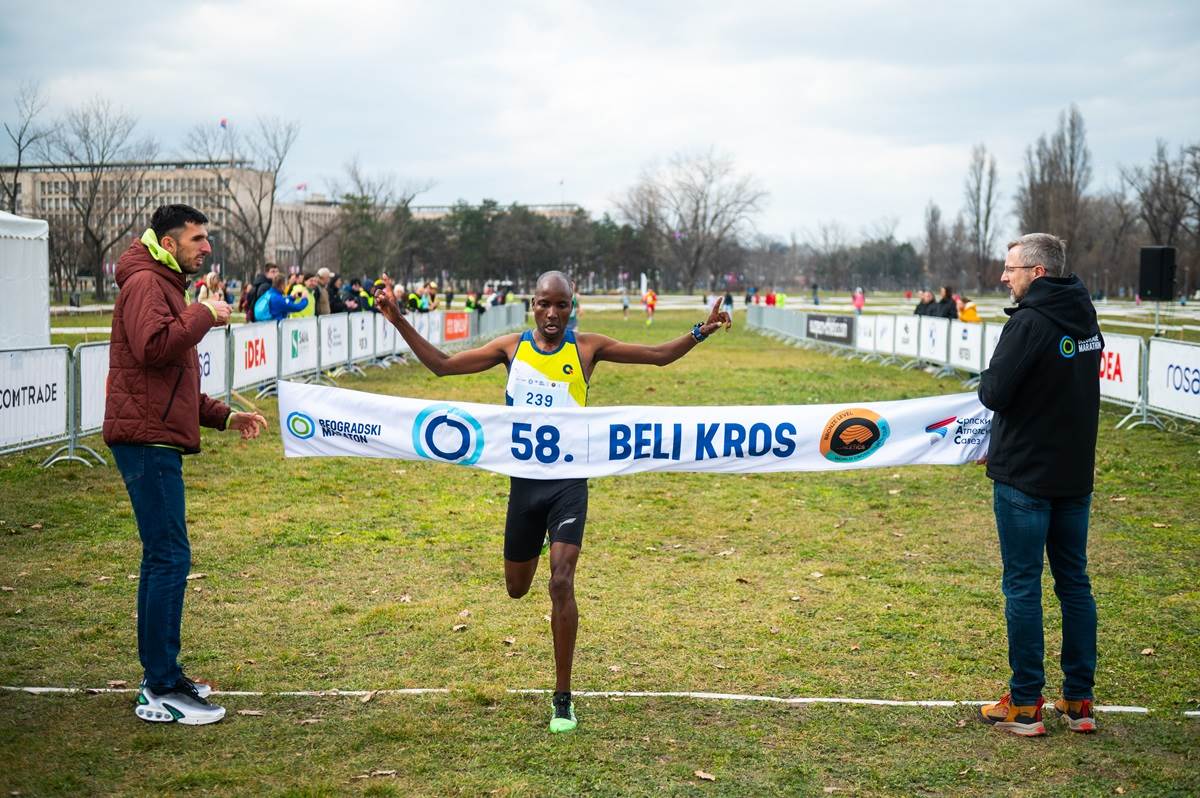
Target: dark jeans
{"points": [[1027, 526], [154, 478]]}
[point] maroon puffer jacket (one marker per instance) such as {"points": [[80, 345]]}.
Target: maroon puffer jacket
{"points": [[153, 372]]}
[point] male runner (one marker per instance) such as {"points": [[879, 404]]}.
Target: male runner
{"points": [[650, 300], [548, 354]]}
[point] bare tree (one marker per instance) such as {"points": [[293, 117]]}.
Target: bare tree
{"points": [[696, 203], [1050, 195], [981, 195], [105, 170], [1162, 195], [248, 170], [935, 245], [25, 134], [376, 227]]}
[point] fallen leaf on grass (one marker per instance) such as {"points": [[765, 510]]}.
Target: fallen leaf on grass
{"points": [[964, 771], [508, 641], [614, 668], [894, 492], [720, 667], [117, 684], [7, 589], [103, 578], [546, 618], [961, 724], [512, 653], [196, 576], [1160, 525], [1147, 652], [459, 627], [465, 614], [839, 525], [405, 599], [855, 647], [1117, 499], [308, 721], [132, 577], [816, 575], [1120, 791], [774, 630], [741, 580], [795, 598], [365, 699], [253, 713], [36, 526], [383, 773], [897, 534], [700, 774], [725, 553]]}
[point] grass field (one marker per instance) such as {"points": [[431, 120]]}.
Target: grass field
{"points": [[350, 575]]}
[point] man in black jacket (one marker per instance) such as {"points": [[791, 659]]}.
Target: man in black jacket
{"points": [[1042, 386]]}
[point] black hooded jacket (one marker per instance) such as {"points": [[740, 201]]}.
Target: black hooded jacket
{"points": [[1043, 385]]}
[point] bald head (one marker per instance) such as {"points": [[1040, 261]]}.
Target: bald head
{"points": [[554, 281]]}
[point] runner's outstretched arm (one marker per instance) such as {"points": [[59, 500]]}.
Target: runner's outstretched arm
{"points": [[604, 348], [469, 361]]}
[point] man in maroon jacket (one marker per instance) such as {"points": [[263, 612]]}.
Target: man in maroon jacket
{"points": [[151, 419]]}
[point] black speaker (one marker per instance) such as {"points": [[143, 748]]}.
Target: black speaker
{"points": [[1156, 280]]}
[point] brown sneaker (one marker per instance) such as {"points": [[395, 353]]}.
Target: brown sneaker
{"points": [[1077, 714], [1025, 721]]}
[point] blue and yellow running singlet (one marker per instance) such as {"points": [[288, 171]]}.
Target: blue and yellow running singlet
{"points": [[546, 379]]}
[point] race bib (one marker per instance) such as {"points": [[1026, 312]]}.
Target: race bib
{"points": [[529, 387]]}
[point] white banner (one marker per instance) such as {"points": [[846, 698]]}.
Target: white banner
{"points": [[864, 334], [966, 346], [601, 441], [255, 353], [213, 355], [385, 336], [1120, 367], [33, 395], [436, 323], [1173, 380], [935, 339], [991, 337], [92, 360], [885, 334], [299, 341], [908, 339], [335, 345], [362, 336]]}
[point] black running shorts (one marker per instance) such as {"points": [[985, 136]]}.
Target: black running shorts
{"points": [[538, 506]]}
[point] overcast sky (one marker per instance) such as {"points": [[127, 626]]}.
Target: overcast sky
{"points": [[850, 111]]}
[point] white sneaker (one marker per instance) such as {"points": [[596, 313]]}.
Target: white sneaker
{"points": [[203, 689], [183, 705]]}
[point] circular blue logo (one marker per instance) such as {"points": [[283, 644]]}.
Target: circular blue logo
{"points": [[1066, 347], [300, 425], [448, 433]]}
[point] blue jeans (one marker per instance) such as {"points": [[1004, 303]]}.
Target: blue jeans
{"points": [[1027, 526], [154, 478]]}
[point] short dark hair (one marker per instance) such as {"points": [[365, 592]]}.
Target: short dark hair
{"points": [[169, 218]]}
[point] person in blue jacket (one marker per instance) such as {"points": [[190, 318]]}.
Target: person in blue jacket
{"points": [[274, 304]]}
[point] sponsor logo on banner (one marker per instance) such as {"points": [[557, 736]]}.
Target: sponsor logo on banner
{"points": [[333, 336], [1110, 366], [256, 353], [301, 425], [1183, 379], [447, 433], [937, 430], [853, 434], [456, 327], [1090, 344], [836, 329], [299, 341], [26, 395], [972, 431]]}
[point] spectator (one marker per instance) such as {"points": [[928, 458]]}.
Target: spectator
{"points": [[262, 284], [152, 417], [320, 291], [274, 304], [946, 307], [303, 291], [728, 304], [244, 303], [926, 306], [625, 304], [337, 297], [211, 287], [967, 310], [770, 301], [859, 300]]}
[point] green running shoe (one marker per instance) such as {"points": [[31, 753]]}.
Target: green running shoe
{"points": [[563, 719]]}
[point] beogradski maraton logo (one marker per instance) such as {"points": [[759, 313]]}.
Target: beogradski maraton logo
{"points": [[301, 425], [853, 434], [937, 430], [448, 433]]}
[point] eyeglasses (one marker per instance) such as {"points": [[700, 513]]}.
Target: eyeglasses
{"points": [[1010, 269]]}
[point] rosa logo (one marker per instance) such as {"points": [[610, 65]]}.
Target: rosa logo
{"points": [[568, 368], [448, 433], [1066, 347], [853, 434], [301, 425]]}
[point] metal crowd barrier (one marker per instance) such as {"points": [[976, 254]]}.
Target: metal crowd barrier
{"points": [[53, 394]]}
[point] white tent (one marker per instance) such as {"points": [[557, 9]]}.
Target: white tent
{"points": [[25, 274]]}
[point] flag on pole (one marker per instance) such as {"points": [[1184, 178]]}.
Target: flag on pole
{"points": [[224, 123], [302, 186]]}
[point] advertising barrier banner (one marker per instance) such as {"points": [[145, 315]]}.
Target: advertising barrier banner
{"points": [[33, 395], [255, 353], [864, 334], [1120, 367], [935, 339], [385, 336], [213, 354], [908, 339], [91, 363], [1173, 377], [457, 327], [830, 329], [587, 442], [966, 346], [335, 342], [991, 337], [436, 321], [299, 341], [362, 336], [885, 334]]}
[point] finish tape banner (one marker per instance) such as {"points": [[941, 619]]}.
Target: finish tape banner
{"points": [[540, 443]]}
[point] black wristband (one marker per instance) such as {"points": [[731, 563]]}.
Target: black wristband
{"points": [[699, 336]]}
